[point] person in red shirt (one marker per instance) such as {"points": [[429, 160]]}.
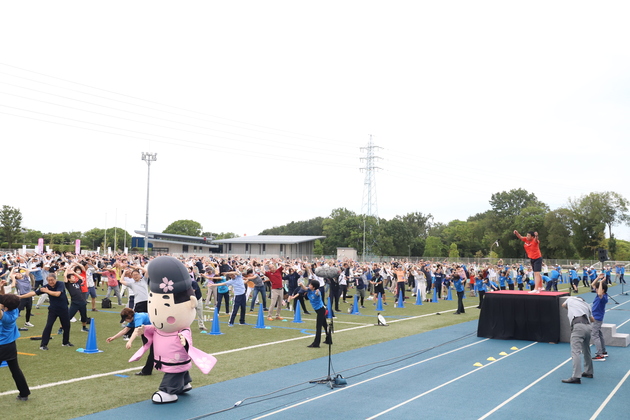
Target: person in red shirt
{"points": [[274, 273], [532, 248]]}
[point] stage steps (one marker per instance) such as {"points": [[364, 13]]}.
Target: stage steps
{"points": [[612, 338]]}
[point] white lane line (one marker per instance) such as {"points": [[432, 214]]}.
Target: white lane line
{"points": [[69, 381], [117, 372], [447, 383], [607, 400], [370, 379], [524, 389]]}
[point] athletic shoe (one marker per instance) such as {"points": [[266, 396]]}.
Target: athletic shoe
{"points": [[269, 319], [68, 344], [60, 331], [605, 354], [28, 324], [85, 329], [125, 338], [43, 347], [94, 310], [279, 318], [21, 398], [599, 358], [230, 325], [73, 319]]}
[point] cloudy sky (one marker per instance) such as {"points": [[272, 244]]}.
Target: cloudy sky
{"points": [[258, 110]]}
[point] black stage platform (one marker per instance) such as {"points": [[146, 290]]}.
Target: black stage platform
{"points": [[516, 315]]}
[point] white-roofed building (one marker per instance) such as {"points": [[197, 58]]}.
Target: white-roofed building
{"points": [[169, 243], [270, 245]]}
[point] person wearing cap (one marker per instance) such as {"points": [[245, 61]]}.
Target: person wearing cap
{"points": [[135, 320], [580, 318]]}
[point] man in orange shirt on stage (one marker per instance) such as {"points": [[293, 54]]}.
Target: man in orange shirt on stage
{"points": [[532, 248]]}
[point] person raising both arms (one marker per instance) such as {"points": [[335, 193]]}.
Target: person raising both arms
{"points": [[532, 248]]}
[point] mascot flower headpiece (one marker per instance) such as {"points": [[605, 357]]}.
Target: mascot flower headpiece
{"points": [[167, 275]]}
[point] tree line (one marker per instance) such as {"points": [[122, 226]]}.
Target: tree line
{"points": [[13, 234], [575, 231]]}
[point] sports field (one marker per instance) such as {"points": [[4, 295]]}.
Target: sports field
{"points": [[411, 372]]}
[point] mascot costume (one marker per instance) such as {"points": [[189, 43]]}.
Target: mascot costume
{"points": [[172, 306]]}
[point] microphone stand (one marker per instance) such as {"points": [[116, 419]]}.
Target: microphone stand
{"points": [[330, 381]]}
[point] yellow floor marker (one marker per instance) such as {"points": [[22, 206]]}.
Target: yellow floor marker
{"points": [[478, 364], [503, 353], [514, 348], [492, 359]]}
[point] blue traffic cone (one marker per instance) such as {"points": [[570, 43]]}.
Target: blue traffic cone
{"points": [[329, 313], [297, 316], [418, 297], [449, 296], [379, 303], [90, 344], [435, 298], [401, 300], [216, 329], [260, 323], [355, 306]]}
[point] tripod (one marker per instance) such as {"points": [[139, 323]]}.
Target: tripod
{"points": [[338, 380]]}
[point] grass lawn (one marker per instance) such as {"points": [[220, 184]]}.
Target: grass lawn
{"points": [[66, 384]]}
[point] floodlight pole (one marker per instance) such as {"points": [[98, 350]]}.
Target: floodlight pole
{"points": [[148, 158]]}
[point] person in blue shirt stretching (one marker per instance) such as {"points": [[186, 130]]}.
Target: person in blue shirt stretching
{"points": [[314, 296]]}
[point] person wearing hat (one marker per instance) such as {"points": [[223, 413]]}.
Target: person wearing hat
{"points": [[134, 320], [172, 304]]}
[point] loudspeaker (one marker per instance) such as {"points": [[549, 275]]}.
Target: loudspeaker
{"points": [[603, 254]]}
